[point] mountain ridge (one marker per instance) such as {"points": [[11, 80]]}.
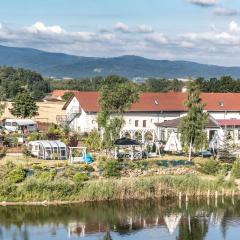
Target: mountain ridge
{"points": [[131, 66]]}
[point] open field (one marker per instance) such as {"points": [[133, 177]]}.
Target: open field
{"points": [[47, 111]]}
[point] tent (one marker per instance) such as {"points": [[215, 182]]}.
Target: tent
{"points": [[218, 140], [173, 144]]}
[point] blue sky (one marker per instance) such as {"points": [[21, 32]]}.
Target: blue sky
{"points": [[206, 31]]}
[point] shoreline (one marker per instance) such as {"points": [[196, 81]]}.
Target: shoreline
{"points": [[179, 188]]}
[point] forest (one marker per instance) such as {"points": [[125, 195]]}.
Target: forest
{"points": [[14, 81], [224, 84]]}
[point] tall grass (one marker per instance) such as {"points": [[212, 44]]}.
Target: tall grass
{"points": [[33, 189]]}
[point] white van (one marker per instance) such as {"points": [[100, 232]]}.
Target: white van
{"points": [[14, 125]]}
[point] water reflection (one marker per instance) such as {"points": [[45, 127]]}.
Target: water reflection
{"points": [[118, 220]]}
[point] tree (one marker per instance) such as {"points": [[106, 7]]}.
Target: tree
{"points": [[193, 124], [93, 140], [24, 106], [67, 95], [116, 96]]}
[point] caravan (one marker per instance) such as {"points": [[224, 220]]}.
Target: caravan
{"points": [[14, 125]]}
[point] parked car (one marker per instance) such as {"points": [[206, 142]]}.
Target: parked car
{"points": [[205, 154]]}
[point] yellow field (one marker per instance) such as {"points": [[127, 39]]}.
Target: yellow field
{"points": [[47, 111]]}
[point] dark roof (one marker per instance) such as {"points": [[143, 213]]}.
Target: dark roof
{"points": [[175, 123], [126, 142]]}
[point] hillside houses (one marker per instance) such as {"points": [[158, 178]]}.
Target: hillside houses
{"points": [[151, 118]]}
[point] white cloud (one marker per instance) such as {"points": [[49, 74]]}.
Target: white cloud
{"points": [[220, 11], [40, 27], [122, 27], [213, 45], [204, 3], [158, 38], [145, 29], [234, 27]]}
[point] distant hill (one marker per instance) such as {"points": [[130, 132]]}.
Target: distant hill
{"points": [[63, 65]]}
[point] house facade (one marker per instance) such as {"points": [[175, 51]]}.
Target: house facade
{"points": [[143, 119]]}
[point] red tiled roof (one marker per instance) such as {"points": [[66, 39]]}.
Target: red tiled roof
{"points": [[228, 122], [171, 101], [60, 93]]}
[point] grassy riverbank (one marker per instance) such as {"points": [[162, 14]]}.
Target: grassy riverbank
{"points": [[37, 190]]}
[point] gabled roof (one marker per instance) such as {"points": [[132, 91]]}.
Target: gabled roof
{"points": [[157, 102]]}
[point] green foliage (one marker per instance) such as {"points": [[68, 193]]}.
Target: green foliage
{"points": [[26, 152], [236, 169], [17, 175], [116, 96], [24, 106], [226, 152], [46, 175], [193, 124], [80, 177], [14, 81], [67, 95], [93, 140], [224, 168], [111, 168], [34, 136], [209, 167]]}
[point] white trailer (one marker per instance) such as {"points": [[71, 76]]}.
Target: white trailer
{"points": [[14, 125]]}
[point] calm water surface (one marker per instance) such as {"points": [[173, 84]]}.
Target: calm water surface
{"points": [[129, 220]]}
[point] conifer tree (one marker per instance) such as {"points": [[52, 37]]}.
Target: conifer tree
{"points": [[193, 124]]}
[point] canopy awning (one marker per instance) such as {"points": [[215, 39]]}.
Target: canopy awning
{"points": [[126, 142]]}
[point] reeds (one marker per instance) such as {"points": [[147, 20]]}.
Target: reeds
{"points": [[140, 188]]}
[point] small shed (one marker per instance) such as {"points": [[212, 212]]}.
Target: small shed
{"points": [[128, 148], [48, 150]]}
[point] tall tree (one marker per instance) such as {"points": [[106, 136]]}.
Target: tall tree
{"points": [[24, 106], [193, 124], [116, 96]]}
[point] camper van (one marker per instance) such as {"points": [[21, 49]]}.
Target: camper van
{"points": [[14, 125]]}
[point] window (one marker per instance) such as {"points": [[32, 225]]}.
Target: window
{"points": [[93, 121], [136, 123], [130, 121], [8, 124], [14, 124], [144, 123]]}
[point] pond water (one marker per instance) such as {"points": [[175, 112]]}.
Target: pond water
{"points": [[124, 220]]}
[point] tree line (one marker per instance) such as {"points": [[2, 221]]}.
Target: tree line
{"points": [[223, 84]]}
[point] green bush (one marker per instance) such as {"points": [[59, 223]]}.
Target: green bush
{"points": [[80, 177], [224, 168], [16, 175], [236, 169], [46, 175], [111, 168], [209, 167], [86, 168]]}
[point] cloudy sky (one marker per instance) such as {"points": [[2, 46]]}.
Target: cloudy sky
{"points": [[206, 31]]}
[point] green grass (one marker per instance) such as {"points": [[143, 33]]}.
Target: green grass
{"points": [[33, 189]]}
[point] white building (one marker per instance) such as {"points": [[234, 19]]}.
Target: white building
{"points": [[144, 118]]}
